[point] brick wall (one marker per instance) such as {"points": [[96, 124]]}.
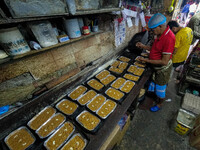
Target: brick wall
{"points": [[32, 75]]}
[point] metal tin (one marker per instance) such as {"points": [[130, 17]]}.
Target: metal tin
{"points": [[137, 78], [19, 139], [115, 63], [60, 135], [102, 74], [116, 70], [83, 96], [125, 84], [67, 107], [38, 116], [72, 138], [139, 64], [82, 125], [112, 85], [139, 74], [46, 123], [131, 70], [76, 97], [124, 59], [94, 80], [109, 76], [113, 97], [123, 65], [184, 122], [103, 106], [92, 101]]}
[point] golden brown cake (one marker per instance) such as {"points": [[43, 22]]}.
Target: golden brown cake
{"points": [[102, 74], [95, 84], [139, 71], [106, 109], [41, 117], [87, 97], [115, 94], [145, 54], [127, 86], [96, 103], [123, 65], [50, 125], [60, 136], [118, 83], [124, 59], [115, 63], [88, 120], [139, 64], [20, 139], [77, 92], [67, 107], [116, 70], [131, 77], [108, 79], [77, 142], [132, 69]]}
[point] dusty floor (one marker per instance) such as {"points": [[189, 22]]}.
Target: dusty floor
{"points": [[151, 131]]}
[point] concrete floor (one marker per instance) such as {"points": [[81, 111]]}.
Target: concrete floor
{"points": [[151, 131]]}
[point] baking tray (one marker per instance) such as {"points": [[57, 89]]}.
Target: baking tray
{"points": [[145, 55], [119, 100], [132, 75], [47, 122], [130, 67], [124, 59], [93, 101], [15, 145], [59, 133], [99, 90], [88, 130], [77, 134], [73, 114], [139, 64], [109, 112], [85, 95], [115, 63], [124, 85], [116, 81], [122, 64], [142, 72], [106, 78], [115, 73], [36, 116], [75, 98], [102, 72]]}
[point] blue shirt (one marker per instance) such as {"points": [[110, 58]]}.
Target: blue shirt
{"points": [[186, 8]]}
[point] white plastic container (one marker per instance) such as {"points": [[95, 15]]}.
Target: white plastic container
{"points": [[44, 33], [13, 42], [72, 28]]}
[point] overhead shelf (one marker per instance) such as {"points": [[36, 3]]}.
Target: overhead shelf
{"points": [[33, 52]]}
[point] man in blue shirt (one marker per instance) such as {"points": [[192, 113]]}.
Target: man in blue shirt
{"points": [[184, 12]]}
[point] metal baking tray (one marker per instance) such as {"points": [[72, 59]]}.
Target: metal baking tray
{"points": [[109, 112], [73, 103], [39, 120], [131, 79], [125, 84], [18, 138], [46, 123], [117, 100], [94, 87], [138, 64], [106, 78], [83, 97], [102, 72], [95, 129], [124, 59], [126, 65], [93, 101], [116, 81], [132, 66], [59, 134], [115, 63], [77, 134], [76, 90], [139, 69]]}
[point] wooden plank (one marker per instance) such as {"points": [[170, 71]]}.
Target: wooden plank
{"points": [[105, 10]]}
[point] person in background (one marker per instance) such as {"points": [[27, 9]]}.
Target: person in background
{"points": [[184, 36], [192, 11], [184, 12], [160, 57]]}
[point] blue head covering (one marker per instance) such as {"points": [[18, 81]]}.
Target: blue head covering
{"points": [[156, 20]]}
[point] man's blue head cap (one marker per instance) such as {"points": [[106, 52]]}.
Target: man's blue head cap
{"points": [[156, 20]]}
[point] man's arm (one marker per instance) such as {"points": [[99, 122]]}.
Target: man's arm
{"points": [[142, 46], [175, 50], [164, 61]]}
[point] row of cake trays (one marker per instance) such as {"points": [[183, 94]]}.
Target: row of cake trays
{"points": [[49, 122]]}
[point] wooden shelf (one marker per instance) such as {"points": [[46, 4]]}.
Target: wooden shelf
{"points": [[19, 20], [33, 52]]}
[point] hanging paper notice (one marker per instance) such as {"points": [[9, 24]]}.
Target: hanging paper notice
{"points": [[137, 21], [129, 12], [129, 22], [142, 19], [120, 31]]}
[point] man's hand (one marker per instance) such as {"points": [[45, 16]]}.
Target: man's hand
{"points": [[143, 60], [140, 45]]}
